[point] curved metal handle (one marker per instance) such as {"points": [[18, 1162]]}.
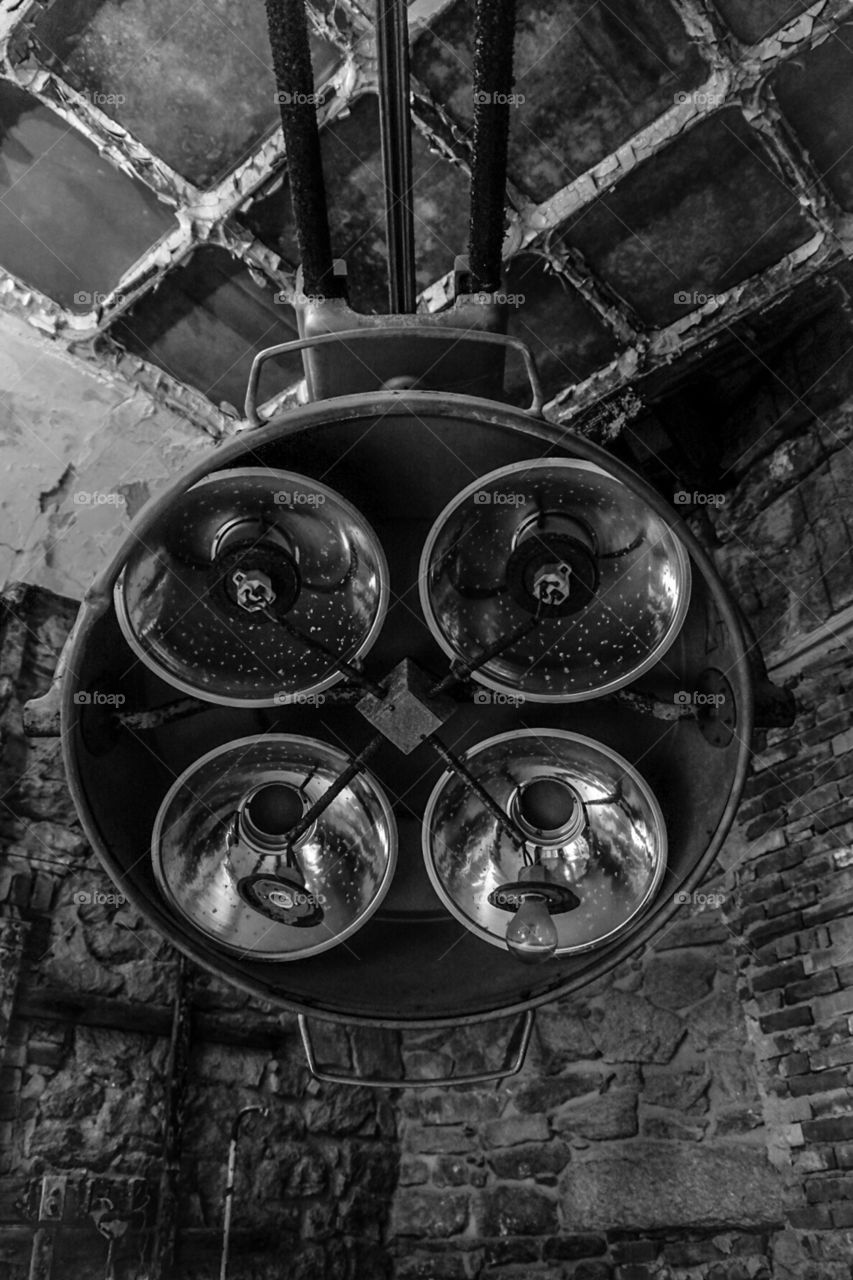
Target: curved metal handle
{"points": [[516, 1052], [403, 331]]}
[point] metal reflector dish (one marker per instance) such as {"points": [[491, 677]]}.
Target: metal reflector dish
{"points": [[252, 586], [242, 894], [592, 579], [613, 860]]}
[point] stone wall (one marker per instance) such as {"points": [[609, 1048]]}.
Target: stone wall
{"points": [[84, 1082]]}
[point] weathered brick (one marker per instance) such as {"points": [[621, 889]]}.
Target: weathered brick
{"points": [[831, 1187], [819, 984], [834, 1129], [779, 976], [540, 1161], [816, 1218], [510, 1130], [842, 742], [794, 1064], [786, 1018], [774, 928], [842, 1215], [571, 1248], [431, 1214], [834, 1056], [844, 1155], [830, 1006], [516, 1211], [819, 1082]]}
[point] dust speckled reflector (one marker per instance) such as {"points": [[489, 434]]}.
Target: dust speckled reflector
{"points": [[613, 863], [239, 890], [608, 576], [251, 585]]}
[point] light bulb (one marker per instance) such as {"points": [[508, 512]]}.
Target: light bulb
{"points": [[531, 934]]}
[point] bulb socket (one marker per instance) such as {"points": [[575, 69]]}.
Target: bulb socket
{"points": [[548, 811], [267, 815]]}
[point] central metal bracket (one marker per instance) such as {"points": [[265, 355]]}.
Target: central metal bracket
{"points": [[408, 712], [374, 364]]}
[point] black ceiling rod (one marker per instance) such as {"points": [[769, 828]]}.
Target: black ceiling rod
{"points": [[291, 53], [392, 38], [494, 36]]}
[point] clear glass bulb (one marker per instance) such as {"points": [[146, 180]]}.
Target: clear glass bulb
{"points": [[531, 934]]}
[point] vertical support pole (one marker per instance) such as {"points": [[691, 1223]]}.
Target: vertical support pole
{"points": [[291, 53], [494, 36], [164, 1254], [392, 38]]}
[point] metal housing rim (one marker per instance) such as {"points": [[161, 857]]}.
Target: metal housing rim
{"points": [[277, 957], [354, 408], [547, 698], [276, 700], [484, 934]]}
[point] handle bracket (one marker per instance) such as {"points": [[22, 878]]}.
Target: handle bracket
{"points": [[516, 1052], [370, 369]]}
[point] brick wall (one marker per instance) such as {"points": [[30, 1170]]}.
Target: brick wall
{"points": [[691, 1117]]}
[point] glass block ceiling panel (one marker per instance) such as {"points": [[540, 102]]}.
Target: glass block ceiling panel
{"points": [[752, 20], [71, 224], [547, 313], [352, 164], [814, 92], [192, 81], [694, 220], [205, 324], [587, 75]]}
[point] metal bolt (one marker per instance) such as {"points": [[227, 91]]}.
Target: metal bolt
{"points": [[254, 589], [552, 583]]}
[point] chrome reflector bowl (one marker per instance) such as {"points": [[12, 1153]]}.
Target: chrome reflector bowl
{"points": [[346, 859], [178, 599], [614, 865], [546, 530]]}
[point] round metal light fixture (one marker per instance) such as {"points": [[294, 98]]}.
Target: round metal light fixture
{"points": [[253, 588], [224, 859], [379, 451], [592, 851], [565, 557]]}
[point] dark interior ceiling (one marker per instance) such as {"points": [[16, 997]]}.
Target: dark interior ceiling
{"points": [[677, 169]]}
